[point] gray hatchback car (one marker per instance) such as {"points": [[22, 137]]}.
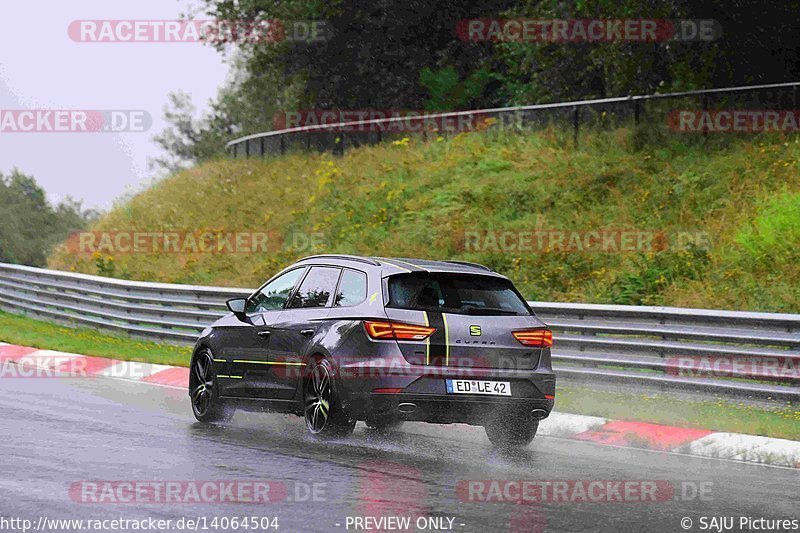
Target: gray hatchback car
{"points": [[337, 339]]}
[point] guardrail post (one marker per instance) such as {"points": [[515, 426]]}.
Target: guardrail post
{"points": [[576, 117], [636, 112], [705, 108], [262, 147], [338, 144]]}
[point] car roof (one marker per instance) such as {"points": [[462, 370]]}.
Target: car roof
{"points": [[402, 265]]}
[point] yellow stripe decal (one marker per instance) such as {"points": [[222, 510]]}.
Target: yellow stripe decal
{"points": [[296, 363], [220, 360], [390, 262], [412, 264], [427, 341], [446, 341], [229, 377]]}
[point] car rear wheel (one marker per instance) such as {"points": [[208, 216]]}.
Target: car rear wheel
{"points": [[207, 406], [322, 408], [511, 432]]}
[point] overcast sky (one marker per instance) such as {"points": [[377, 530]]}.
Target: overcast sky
{"points": [[42, 68]]}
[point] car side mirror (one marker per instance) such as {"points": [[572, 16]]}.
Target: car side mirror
{"points": [[237, 306]]}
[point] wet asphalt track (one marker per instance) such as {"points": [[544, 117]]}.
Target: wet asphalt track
{"points": [[55, 432]]}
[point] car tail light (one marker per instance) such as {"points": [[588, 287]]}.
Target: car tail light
{"points": [[540, 338], [397, 331]]}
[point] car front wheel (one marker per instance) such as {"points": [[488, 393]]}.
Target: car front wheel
{"points": [[207, 406]]}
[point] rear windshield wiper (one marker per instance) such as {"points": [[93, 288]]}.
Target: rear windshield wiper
{"points": [[474, 310]]}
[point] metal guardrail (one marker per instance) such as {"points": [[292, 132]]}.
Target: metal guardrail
{"points": [[617, 344], [337, 138]]}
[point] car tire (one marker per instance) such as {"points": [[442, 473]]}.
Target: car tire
{"points": [[510, 432], [322, 408], [207, 406]]}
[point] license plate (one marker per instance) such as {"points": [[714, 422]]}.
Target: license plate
{"points": [[470, 386]]}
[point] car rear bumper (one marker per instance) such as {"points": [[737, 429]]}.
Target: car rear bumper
{"points": [[438, 409], [417, 393]]}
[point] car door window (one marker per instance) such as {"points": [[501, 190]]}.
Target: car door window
{"points": [[317, 287], [352, 289], [273, 295]]}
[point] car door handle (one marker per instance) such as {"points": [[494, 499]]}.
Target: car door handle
{"points": [[264, 334], [307, 332]]}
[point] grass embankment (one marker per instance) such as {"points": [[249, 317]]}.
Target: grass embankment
{"points": [[659, 409], [15, 329], [430, 200]]}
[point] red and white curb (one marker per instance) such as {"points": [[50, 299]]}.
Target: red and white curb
{"points": [[32, 362]]}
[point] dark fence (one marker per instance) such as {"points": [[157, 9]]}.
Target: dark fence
{"points": [[663, 111]]}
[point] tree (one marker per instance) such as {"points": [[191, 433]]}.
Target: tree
{"points": [[247, 103], [388, 55], [29, 226], [373, 51], [755, 46]]}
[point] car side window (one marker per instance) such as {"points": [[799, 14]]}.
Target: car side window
{"points": [[352, 289], [273, 295], [317, 288]]}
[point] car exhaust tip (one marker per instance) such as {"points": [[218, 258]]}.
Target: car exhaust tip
{"points": [[407, 407], [539, 414]]}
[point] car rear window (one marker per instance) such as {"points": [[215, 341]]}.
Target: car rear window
{"points": [[455, 293]]}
